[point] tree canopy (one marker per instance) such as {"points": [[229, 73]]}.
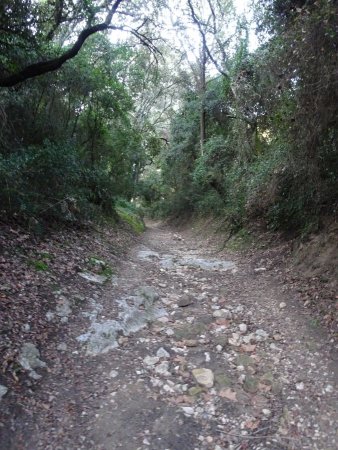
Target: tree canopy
{"points": [[169, 105]]}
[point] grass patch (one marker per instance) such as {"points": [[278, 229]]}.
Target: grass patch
{"points": [[132, 218], [242, 240], [38, 265]]}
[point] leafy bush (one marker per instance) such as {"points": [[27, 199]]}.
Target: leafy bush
{"points": [[52, 183]]}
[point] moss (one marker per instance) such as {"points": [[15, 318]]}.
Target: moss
{"points": [[241, 240], [38, 265], [133, 219]]}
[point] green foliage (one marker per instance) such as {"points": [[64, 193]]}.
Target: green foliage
{"points": [[52, 183], [38, 265], [129, 213], [272, 144]]}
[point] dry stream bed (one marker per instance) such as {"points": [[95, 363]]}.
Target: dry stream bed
{"points": [[184, 349]]}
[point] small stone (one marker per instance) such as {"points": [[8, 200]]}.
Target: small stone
{"points": [[163, 368], [113, 374], [26, 328], [282, 305], [195, 390], [185, 300], [188, 410], [162, 353], [266, 412], [277, 337], [3, 391], [250, 384], [62, 347], [261, 335], [209, 439], [260, 269], [222, 313], [243, 328], [93, 277], [204, 377], [300, 386], [29, 358], [219, 348], [151, 360], [169, 332]]}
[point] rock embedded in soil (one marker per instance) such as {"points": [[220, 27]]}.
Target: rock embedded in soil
{"points": [[151, 360], [222, 314], [93, 277], [185, 301], [162, 353], [204, 377], [29, 358], [3, 391]]}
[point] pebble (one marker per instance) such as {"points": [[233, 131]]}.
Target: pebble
{"points": [[282, 305], [204, 377], [113, 374], [219, 348], [300, 386], [162, 353], [243, 328], [3, 390], [188, 410], [151, 360], [222, 313], [62, 347], [169, 332], [261, 334], [163, 368]]}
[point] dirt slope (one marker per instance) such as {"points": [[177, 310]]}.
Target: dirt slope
{"points": [[125, 375]]}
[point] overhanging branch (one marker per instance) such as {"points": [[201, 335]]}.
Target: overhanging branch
{"points": [[51, 65]]}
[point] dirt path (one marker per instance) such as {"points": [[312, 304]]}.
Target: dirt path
{"points": [[127, 376]]}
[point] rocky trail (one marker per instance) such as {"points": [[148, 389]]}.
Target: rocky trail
{"points": [[185, 348]]}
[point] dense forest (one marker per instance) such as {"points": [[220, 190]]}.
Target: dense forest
{"points": [[170, 107]]}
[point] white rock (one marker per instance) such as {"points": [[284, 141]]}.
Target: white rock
{"points": [[162, 353], [243, 328], [62, 347], [261, 335], [188, 410], [169, 332], [260, 269], [282, 305], [266, 412], [207, 356], [222, 313], [3, 391], [29, 358], [249, 338], [151, 360], [204, 377], [300, 386], [235, 340], [163, 368], [219, 348], [93, 277], [113, 374]]}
